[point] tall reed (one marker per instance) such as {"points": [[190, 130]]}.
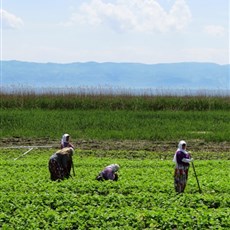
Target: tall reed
{"points": [[70, 101]]}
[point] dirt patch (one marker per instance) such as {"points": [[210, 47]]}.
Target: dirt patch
{"points": [[155, 146]]}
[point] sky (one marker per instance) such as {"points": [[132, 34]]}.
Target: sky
{"points": [[140, 31]]}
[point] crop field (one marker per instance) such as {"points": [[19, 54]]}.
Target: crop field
{"points": [[141, 134], [142, 198]]}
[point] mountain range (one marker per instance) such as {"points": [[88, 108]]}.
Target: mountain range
{"points": [[191, 75]]}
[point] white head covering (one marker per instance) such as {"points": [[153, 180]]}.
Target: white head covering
{"points": [[182, 142], [115, 167], [64, 137]]}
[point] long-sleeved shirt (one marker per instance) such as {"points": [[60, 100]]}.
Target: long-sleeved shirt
{"points": [[108, 173], [64, 160], [180, 156], [66, 144]]}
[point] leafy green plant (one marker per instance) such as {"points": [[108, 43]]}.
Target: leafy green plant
{"points": [[143, 197]]}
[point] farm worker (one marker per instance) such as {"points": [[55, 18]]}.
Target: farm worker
{"points": [[65, 141], [182, 159], [60, 164], [109, 173]]}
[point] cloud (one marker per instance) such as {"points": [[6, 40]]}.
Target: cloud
{"points": [[180, 15], [10, 21], [133, 15], [215, 30]]}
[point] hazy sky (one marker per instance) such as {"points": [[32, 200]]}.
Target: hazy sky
{"points": [[145, 31]]}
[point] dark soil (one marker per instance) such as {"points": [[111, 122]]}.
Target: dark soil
{"points": [[156, 146]]}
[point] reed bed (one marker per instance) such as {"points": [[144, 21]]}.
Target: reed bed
{"points": [[106, 101]]}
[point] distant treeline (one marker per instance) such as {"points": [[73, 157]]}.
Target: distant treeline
{"points": [[71, 101]]}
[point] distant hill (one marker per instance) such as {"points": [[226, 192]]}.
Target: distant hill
{"points": [[128, 75]]}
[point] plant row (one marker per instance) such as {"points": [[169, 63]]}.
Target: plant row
{"points": [[142, 198], [203, 126]]}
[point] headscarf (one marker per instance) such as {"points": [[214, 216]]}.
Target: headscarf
{"points": [[182, 142], [114, 167], [64, 137]]}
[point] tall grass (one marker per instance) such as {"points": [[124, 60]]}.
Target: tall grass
{"points": [[51, 101]]}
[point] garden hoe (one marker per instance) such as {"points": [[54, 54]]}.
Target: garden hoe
{"points": [[196, 178], [73, 169]]}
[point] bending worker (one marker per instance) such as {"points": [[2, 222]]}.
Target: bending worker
{"points": [[109, 173], [60, 164]]}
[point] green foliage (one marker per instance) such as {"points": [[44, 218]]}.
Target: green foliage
{"points": [[119, 124], [143, 197]]}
